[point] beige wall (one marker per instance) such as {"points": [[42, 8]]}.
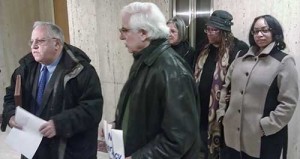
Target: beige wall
{"points": [[288, 13]]}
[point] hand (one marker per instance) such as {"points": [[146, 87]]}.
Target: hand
{"points": [[12, 123], [101, 132], [48, 129]]}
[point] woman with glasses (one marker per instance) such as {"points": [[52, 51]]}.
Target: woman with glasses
{"points": [[211, 63], [264, 94], [178, 39]]}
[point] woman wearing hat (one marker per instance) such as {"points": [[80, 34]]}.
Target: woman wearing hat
{"points": [[211, 64]]}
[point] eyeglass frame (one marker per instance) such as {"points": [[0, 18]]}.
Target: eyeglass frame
{"points": [[263, 31], [39, 42], [211, 31], [124, 30]]}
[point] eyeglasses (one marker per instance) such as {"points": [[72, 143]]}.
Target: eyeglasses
{"points": [[264, 31], [124, 30], [39, 42], [211, 31]]}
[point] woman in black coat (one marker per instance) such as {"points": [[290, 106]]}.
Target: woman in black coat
{"points": [[178, 39], [212, 59]]}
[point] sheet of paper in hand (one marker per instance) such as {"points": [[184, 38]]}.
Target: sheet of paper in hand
{"points": [[27, 140], [114, 141]]}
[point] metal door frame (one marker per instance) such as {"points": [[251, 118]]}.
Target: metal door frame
{"points": [[194, 13]]}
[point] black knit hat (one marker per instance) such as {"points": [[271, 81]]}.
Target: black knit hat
{"points": [[220, 19]]}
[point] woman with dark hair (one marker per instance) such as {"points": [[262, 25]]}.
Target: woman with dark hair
{"points": [[264, 94], [178, 39], [211, 64]]}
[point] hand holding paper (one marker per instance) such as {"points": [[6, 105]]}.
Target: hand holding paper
{"points": [[12, 123], [114, 141], [27, 140], [48, 129]]}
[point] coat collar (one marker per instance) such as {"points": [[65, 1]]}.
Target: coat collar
{"points": [[159, 46], [266, 51]]}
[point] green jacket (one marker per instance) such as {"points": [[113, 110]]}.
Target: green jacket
{"points": [[162, 119]]}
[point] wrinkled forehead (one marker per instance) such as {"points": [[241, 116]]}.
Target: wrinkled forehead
{"points": [[39, 32]]}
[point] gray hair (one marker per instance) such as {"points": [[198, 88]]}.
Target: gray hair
{"points": [[53, 30], [147, 16], [180, 26]]}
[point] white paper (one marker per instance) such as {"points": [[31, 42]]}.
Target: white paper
{"points": [[118, 144], [27, 140], [108, 138], [114, 141]]}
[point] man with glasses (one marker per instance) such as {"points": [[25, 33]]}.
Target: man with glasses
{"points": [[60, 86], [158, 107], [211, 62]]}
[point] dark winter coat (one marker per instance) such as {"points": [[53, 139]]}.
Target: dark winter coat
{"points": [[72, 99], [160, 96], [185, 51]]}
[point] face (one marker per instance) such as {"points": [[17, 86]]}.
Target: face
{"points": [[135, 40], [262, 34], [43, 47], [173, 36], [213, 35]]}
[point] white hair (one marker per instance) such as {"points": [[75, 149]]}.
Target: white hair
{"points": [[147, 16], [53, 30]]}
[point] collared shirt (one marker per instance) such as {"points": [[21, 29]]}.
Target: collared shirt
{"points": [[50, 68]]}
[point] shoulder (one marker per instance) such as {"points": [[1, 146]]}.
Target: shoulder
{"points": [[240, 44], [240, 49], [279, 55], [187, 45], [76, 54], [27, 63], [27, 59], [172, 63]]}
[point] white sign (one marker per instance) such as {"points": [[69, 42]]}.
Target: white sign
{"points": [[114, 141]]}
